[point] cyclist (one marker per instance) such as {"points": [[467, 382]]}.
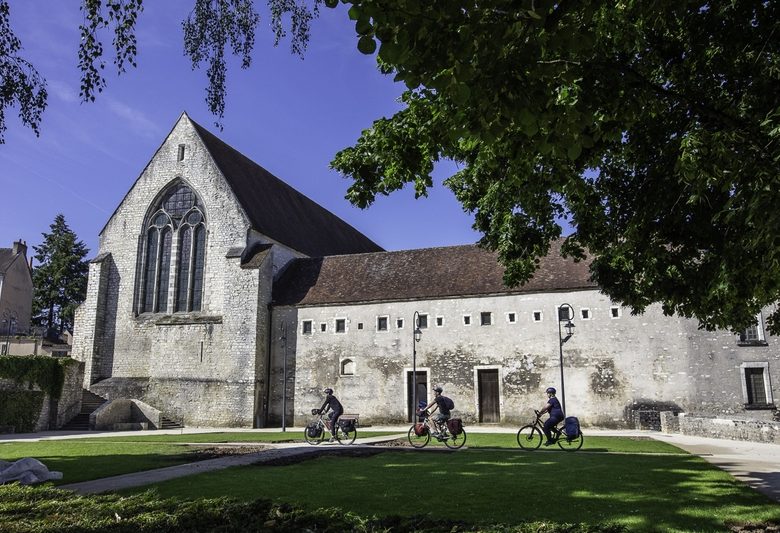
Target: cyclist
{"points": [[553, 407], [441, 403], [336, 410]]}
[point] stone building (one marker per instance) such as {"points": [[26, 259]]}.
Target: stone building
{"points": [[220, 294], [16, 290]]}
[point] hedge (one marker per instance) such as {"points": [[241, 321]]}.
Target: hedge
{"points": [[48, 373], [20, 409]]}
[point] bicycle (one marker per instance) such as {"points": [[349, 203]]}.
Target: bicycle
{"points": [[420, 434], [530, 437], [319, 429]]}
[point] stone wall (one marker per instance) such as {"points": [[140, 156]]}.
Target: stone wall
{"points": [[614, 365], [723, 428], [201, 368]]}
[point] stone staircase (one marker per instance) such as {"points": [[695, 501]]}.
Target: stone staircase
{"points": [[167, 423], [89, 404]]}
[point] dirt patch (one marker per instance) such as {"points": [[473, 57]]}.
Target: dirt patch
{"points": [[214, 452]]}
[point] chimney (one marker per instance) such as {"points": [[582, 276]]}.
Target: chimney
{"points": [[20, 247]]}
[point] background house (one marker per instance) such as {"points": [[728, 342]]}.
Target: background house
{"points": [[16, 290]]}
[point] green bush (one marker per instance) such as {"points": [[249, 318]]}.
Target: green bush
{"points": [[48, 373], [48, 510], [20, 409]]}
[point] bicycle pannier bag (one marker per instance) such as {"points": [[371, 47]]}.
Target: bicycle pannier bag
{"points": [[455, 426], [314, 431], [420, 429], [571, 426], [449, 403], [347, 425]]}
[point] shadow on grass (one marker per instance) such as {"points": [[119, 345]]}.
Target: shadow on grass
{"points": [[644, 492]]}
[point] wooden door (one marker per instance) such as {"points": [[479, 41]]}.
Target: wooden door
{"points": [[422, 392], [489, 412]]}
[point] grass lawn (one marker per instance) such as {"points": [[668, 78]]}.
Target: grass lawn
{"points": [[81, 460], [661, 492], [220, 437], [99, 457]]}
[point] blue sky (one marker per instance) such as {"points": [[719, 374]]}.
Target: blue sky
{"points": [[289, 115]]}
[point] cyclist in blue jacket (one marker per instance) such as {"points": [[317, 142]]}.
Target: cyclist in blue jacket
{"points": [[442, 404], [553, 407]]}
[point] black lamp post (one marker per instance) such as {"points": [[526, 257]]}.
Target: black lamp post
{"points": [[565, 314], [283, 338], [416, 335]]}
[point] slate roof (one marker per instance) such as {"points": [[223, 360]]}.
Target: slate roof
{"points": [[280, 212], [430, 273]]}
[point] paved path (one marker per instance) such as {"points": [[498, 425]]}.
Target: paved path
{"points": [[756, 464]]}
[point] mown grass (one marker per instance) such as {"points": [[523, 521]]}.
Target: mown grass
{"points": [[81, 460], [221, 437], [661, 492], [93, 458], [591, 444], [46, 510]]}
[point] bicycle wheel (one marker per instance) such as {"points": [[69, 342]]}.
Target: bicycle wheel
{"points": [[457, 441], [529, 437], [346, 437], [314, 440], [419, 441], [571, 445]]}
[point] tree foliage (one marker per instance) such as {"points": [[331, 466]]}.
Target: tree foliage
{"points": [[20, 83], [213, 29], [60, 277], [652, 127]]}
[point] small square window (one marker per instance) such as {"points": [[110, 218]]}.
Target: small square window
{"points": [[381, 323], [585, 313], [439, 321], [399, 323], [306, 327], [614, 311], [323, 327], [511, 318], [485, 318], [466, 320], [341, 325], [754, 335], [360, 325], [537, 316], [422, 321]]}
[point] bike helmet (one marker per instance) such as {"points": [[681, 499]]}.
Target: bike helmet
{"points": [[550, 390], [438, 389], [328, 391]]}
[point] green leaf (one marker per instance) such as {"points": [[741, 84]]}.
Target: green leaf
{"points": [[574, 151], [354, 13], [367, 45], [331, 3], [363, 26]]}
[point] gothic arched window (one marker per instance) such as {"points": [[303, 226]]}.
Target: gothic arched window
{"points": [[174, 243]]}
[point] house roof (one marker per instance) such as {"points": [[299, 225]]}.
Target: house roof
{"points": [[7, 257], [280, 212], [430, 273]]}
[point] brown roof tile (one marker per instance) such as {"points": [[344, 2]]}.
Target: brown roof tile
{"points": [[430, 273]]}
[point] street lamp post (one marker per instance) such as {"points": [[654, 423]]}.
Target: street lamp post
{"points": [[565, 313], [283, 338], [416, 335]]}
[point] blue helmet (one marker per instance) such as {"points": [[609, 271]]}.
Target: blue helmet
{"points": [[550, 390], [328, 391]]}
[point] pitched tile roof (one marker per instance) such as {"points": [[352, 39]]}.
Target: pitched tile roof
{"points": [[431, 273], [277, 210]]}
